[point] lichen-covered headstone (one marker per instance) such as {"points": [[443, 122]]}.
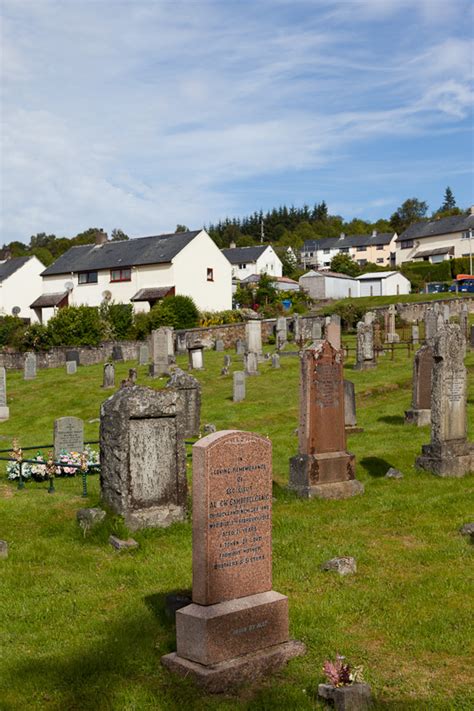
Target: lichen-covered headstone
{"points": [[189, 389]]}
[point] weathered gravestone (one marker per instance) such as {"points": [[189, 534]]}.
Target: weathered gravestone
{"points": [[281, 332], [333, 331], [253, 338], [240, 347], [464, 320], [181, 342], [365, 355], [196, 357], [227, 361], [143, 354], [251, 363], [219, 345], [189, 390], [4, 409], [431, 323], [73, 355], [420, 412], [316, 332], [239, 386], [391, 335], [71, 367], [449, 453], [415, 334], [472, 337], [132, 376], [323, 467], [275, 360], [236, 627], [29, 372], [109, 376], [117, 353], [350, 417], [143, 457], [161, 351], [68, 435], [446, 313]]}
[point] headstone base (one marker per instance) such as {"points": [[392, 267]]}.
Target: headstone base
{"points": [[353, 429], [356, 697], [156, 370], [4, 413], [330, 475], [420, 418], [230, 674], [155, 517], [365, 365], [452, 459]]}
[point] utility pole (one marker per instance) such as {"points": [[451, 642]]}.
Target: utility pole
{"points": [[262, 231]]}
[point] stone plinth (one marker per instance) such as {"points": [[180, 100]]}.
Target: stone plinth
{"points": [[420, 412], [322, 463], [143, 457]]}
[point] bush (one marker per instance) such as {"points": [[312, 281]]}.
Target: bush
{"points": [[11, 330], [36, 337], [120, 318], [175, 311], [218, 318], [350, 312], [421, 272], [76, 326], [140, 326]]}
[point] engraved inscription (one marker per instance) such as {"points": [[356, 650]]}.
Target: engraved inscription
{"points": [[455, 387], [327, 384]]}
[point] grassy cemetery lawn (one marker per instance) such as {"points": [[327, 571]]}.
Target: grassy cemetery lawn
{"points": [[84, 626]]}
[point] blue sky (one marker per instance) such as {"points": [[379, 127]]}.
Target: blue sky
{"points": [[144, 114]]}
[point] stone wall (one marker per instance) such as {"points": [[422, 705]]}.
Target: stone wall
{"points": [[88, 355], [415, 311]]}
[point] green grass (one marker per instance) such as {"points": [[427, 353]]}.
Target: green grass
{"points": [[84, 627]]}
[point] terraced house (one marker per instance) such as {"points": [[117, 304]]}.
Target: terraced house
{"points": [[377, 248], [437, 240]]}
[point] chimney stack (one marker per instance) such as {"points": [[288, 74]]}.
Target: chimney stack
{"points": [[232, 245], [471, 210], [374, 233], [100, 238]]}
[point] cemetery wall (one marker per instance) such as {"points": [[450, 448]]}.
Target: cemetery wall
{"points": [[415, 311]]}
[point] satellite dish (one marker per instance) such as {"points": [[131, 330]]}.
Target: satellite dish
{"points": [[69, 286], [16, 310], [106, 295]]}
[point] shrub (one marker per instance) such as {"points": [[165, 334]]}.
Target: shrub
{"points": [[76, 326], [141, 326], [120, 318], [36, 337], [176, 311], [218, 318], [11, 330], [350, 312]]}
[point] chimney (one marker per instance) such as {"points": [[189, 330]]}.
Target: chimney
{"points": [[471, 210], [232, 245], [374, 233], [342, 235], [7, 254], [100, 238]]}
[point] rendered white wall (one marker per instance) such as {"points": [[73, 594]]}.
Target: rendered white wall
{"points": [[21, 289]]}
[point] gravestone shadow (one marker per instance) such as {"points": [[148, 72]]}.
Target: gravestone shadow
{"points": [[375, 466], [392, 419]]}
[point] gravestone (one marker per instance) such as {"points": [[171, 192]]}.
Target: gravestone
{"points": [[350, 417], [275, 360], [431, 323], [109, 376], [251, 364], [240, 347], [378, 344], [449, 453], [219, 345], [189, 390], [29, 372], [472, 337], [365, 355], [239, 386], [446, 313], [181, 342], [73, 355], [316, 332], [161, 351], [195, 356], [236, 626], [323, 467], [71, 367], [117, 353], [333, 331], [68, 435], [132, 376], [143, 457], [296, 328], [420, 412], [369, 317], [281, 332], [143, 354], [4, 409], [253, 338], [391, 335], [415, 334], [227, 361], [464, 320]]}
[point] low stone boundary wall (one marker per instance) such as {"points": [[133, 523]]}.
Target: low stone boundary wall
{"points": [[412, 312]]}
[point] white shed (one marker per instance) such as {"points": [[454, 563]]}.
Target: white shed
{"points": [[383, 284], [329, 285]]}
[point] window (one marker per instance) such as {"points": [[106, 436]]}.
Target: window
{"points": [[87, 278], [210, 274], [121, 274], [326, 251], [241, 266], [362, 249], [380, 260], [380, 246], [344, 250], [362, 262], [407, 244]]}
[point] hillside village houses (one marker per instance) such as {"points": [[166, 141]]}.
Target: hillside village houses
{"points": [[436, 240], [20, 282], [378, 248], [247, 261], [140, 271]]}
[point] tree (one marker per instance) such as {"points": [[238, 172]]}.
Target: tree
{"points": [[343, 264], [118, 235], [449, 200], [178, 311], [412, 210], [181, 228]]}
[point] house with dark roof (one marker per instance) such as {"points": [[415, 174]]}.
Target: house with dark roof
{"points": [[377, 248], [20, 282], [247, 261], [437, 240], [140, 271]]}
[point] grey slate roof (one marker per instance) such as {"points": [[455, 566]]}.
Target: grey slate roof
{"points": [[11, 266], [336, 275], [156, 249], [243, 255], [48, 300], [152, 294], [431, 252], [381, 238], [443, 226]]}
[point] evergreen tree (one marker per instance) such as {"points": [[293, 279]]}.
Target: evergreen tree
{"points": [[449, 200]]}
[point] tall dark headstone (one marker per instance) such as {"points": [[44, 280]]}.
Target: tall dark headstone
{"points": [[420, 412]]}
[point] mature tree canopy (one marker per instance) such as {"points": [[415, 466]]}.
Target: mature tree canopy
{"points": [[181, 228], [449, 200], [118, 235], [412, 210], [343, 264]]}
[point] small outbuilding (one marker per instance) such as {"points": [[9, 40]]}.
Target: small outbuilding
{"points": [[329, 285], [383, 284]]}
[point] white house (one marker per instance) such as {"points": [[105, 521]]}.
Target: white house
{"points": [[383, 284], [141, 271], [436, 240], [246, 261], [329, 285], [20, 282]]}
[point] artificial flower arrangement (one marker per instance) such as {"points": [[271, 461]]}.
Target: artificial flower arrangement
{"points": [[38, 471], [339, 673]]}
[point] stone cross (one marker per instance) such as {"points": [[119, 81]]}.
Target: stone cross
{"points": [[239, 386], [143, 457], [365, 355], [68, 435], [109, 376], [253, 338], [4, 409], [29, 372], [420, 413], [323, 467], [449, 453], [251, 364], [195, 356], [391, 335], [234, 614], [189, 390], [71, 367], [143, 354]]}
